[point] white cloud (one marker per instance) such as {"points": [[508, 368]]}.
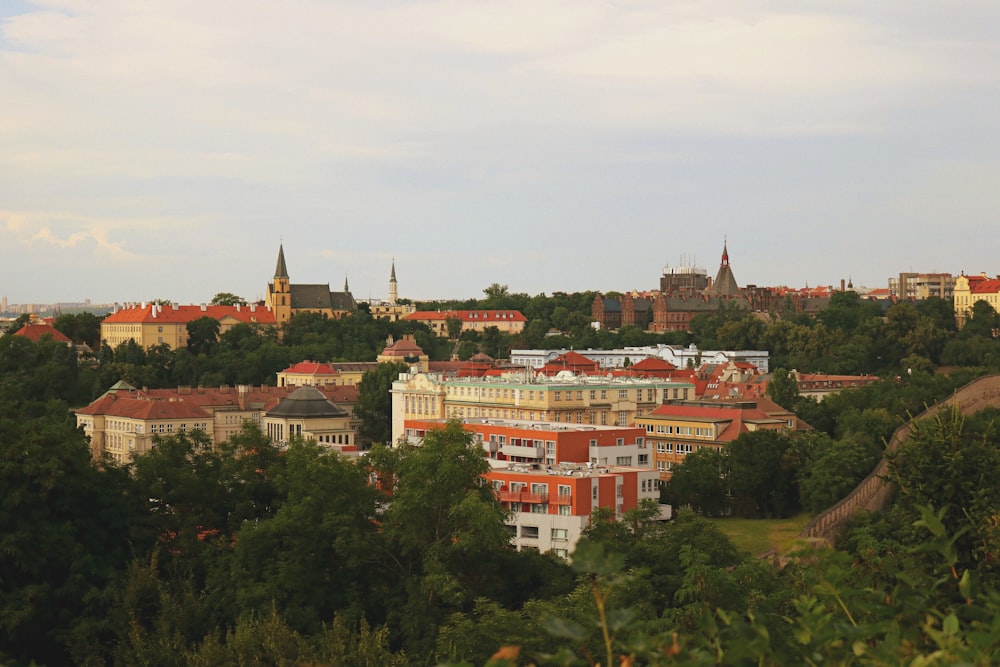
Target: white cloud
{"points": [[444, 122]]}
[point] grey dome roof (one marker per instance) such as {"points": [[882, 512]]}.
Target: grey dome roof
{"points": [[308, 402]]}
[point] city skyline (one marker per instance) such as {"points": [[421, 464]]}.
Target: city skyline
{"points": [[164, 151]]}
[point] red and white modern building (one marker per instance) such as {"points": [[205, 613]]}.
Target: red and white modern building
{"points": [[552, 476]]}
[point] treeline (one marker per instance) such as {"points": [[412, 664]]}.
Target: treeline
{"points": [[243, 554], [851, 336], [766, 474]]}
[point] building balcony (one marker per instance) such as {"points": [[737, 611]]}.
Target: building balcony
{"points": [[507, 496], [561, 499], [522, 452]]}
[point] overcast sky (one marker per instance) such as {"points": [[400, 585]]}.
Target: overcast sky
{"points": [[165, 149]]}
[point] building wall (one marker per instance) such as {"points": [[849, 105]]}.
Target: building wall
{"points": [[968, 291], [586, 401]]}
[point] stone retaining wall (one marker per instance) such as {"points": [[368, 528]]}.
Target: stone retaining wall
{"points": [[873, 492]]}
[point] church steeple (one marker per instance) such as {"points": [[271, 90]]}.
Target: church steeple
{"points": [[393, 285], [279, 293], [725, 282], [281, 271], [347, 289]]}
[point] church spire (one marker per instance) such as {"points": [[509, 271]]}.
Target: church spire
{"points": [[346, 288], [281, 271], [725, 283], [393, 286]]}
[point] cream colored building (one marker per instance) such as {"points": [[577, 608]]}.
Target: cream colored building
{"points": [[969, 290], [153, 324], [307, 414], [565, 398], [507, 321], [123, 421], [677, 429]]}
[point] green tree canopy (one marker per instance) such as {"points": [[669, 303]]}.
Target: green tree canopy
{"points": [[203, 334], [374, 405], [228, 299]]}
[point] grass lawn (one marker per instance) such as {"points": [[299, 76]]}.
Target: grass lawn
{"points": [[759, 536]]}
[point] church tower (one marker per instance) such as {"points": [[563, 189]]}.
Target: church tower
{"points": [[725, 283], [393, 286], [279, 292]]}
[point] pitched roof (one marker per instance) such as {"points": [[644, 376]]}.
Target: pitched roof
{"points": [[129, 406], [281, 271], [404, 347], [725, 282], [35, 332], [310, 368], [320, 297], [572, 361], [307, 402], [176, 314], [208, 399], [735, 416], [653, 364], [984, 285]]}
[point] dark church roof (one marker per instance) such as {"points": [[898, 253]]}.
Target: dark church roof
{"points": [[725, 282], [307, 402], [281, 271], [320, 297]]}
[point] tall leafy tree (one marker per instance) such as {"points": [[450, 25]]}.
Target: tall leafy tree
{"points": [[64, 536], [203, 334], [443, 521], [783, 388], [228, 299], [315, 556], [374, 406]]}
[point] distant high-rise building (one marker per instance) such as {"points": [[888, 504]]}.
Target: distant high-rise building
{"points": [[914, 286]]}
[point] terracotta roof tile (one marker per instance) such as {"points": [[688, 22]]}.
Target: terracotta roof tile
{"points": [[175, 314], [36, 332]]}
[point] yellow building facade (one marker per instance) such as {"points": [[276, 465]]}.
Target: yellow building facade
{"points": [[149, 325], [583, 400], [970, 289]]}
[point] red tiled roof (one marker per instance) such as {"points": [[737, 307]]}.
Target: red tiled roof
{"points": [[735, 418], [653, 364], [310, 368], [467, 315], [173, 314], [405, 347], [984, 285], [571, 361], [131, 407], [35, 332], [204, 399]]}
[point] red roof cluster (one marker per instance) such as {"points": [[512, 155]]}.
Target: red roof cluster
{"points": [[187, 402], [176, 314]]}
